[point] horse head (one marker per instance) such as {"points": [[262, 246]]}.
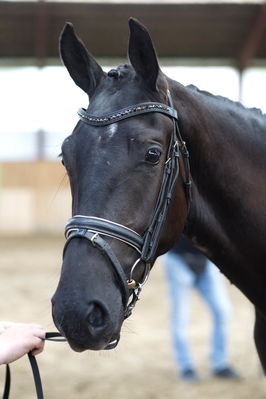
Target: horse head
{"points": [[126, 209]]}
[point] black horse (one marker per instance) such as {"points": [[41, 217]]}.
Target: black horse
{"points": [[129, 174]]}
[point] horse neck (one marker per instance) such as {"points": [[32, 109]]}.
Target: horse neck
{"points": [[227, 156]]}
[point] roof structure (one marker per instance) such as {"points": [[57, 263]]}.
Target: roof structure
{"points": [[229, 32]]}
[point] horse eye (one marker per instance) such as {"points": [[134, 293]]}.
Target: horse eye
{"points": [[153, 155], [60, 156]]}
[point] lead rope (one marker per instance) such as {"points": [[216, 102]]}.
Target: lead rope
{"points": [[49, 336]]}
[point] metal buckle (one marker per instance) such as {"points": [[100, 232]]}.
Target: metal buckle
{"points": [[93, 238]]}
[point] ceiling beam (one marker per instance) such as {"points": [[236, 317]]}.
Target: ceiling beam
{"points": [[253, 40], [41, 32], [200, 31]]}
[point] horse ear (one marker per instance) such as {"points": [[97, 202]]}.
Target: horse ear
{"points": [[142, 54], [81, 65]]}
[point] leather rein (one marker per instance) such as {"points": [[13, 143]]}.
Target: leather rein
{"points": [[94, 229], [49, 336]]}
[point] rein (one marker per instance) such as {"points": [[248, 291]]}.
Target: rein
{"points": [[95, 229], [49, 336]]}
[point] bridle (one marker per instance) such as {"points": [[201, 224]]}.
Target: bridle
{"points": [[95, 229]]}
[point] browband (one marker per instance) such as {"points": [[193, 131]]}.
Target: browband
{"points": [[124, 113]]}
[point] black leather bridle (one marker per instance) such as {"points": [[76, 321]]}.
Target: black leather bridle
{"points": [[94, 228]]}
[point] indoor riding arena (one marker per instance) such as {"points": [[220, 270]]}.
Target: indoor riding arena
{"points": [[38, 104]]}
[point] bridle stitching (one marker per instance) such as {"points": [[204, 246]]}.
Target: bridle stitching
{"points": [[69, 231], [109, 221]]}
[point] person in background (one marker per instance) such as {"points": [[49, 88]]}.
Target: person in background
{"points": [[186, 268], [18, 339]]}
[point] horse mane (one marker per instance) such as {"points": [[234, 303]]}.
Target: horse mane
{"points": [[226, 100]]}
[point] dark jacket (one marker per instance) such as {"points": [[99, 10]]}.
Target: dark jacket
{"points": [[195, 260]]}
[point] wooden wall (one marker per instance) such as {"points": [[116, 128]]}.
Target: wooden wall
{"points": [[34, 198]]}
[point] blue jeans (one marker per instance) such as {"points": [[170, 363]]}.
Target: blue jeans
{"points": [[211, 287]]}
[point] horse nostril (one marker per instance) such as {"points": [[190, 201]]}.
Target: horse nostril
{"points": [[96, 316]]}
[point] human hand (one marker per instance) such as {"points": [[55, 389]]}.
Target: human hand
{"points": [[17, 339]]}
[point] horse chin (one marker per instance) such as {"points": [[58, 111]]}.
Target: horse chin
{"points": [[81, 348], [95, 346], [77, 347]]}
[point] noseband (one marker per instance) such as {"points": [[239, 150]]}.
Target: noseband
{"points": [[94, 229]]}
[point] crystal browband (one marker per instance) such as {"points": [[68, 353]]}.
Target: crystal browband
{"points": [[125, 113]]}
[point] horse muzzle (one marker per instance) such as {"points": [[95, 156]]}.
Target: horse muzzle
{"points": [[90, 329]]}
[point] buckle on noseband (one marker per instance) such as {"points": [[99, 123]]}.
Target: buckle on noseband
{"points": [[93, 238]]}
